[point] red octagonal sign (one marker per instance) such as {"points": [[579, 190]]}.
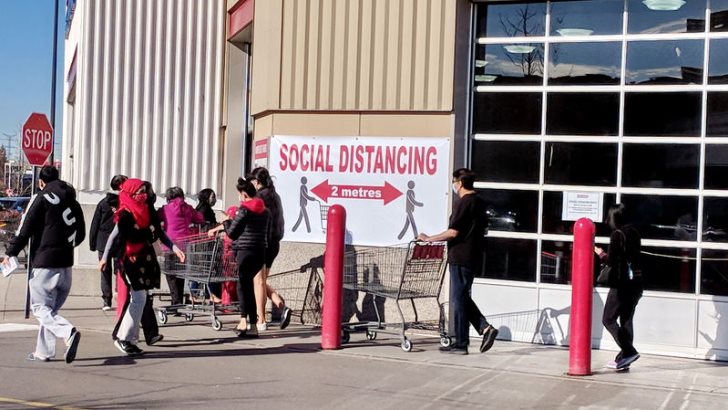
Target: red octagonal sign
{"points": [[37, 140]]}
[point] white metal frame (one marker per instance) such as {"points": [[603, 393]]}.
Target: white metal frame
{"points": [[620, 139]]}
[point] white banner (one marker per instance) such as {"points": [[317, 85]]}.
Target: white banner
{"points": [[392, 188]]}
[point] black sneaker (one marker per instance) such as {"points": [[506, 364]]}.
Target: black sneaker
{"points": [[285, 317], [73, 340], [489, 336], [127, 348], [454, 350], [155, 339]]}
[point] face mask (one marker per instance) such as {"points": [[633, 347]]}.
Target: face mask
{"points": [[454, 190], [140, 198]]}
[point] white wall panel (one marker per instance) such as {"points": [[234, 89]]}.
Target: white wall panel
{"points": [[149, 93]]}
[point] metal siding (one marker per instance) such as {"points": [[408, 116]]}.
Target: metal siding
{"points": [[382, 55], [149, 93]]}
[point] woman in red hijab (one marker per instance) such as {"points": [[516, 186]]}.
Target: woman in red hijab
{"points": [[134, 235]]}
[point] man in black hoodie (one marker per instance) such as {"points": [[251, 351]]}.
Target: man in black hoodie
{"points": [[54, 225], [101, 226]]}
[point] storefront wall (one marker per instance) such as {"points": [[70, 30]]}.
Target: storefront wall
{"points": [[625, 99]]}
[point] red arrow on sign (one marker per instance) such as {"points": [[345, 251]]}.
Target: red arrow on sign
{"points": [[387, 193]]}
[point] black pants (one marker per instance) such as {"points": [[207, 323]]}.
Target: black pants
{"points": [[106, 275], [149, 320], [465, 312], [176, 289], [621, 304], [249, 263]]}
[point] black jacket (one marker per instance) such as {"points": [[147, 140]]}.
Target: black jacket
{"points": [[54, 225], [249, 229], [273, 203], [208, 213], [103, 222]]}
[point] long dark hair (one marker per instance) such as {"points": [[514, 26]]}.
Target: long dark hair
{"points": [[204, 196], [262, 175], [616, 216]]}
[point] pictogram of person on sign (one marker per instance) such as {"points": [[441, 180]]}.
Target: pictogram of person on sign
{"points": [[410, 208], [303, 202]]}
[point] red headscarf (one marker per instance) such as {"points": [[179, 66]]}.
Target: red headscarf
{"points": [[136, 205]]}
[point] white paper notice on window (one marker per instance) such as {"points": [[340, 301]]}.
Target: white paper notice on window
{"points": [[10, 267], [577, 205]]}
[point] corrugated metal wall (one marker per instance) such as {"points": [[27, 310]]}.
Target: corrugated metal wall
{"points": [[149, 93], [383, 55]]}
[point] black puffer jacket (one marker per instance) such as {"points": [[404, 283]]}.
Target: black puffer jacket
{"points": [[273, 203], [249, 229], [103, 222], [55, 223]]}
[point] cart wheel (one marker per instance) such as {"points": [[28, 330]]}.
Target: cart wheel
{"points": [[189, 317], [445, 341], [345, 337], [216, 324], [162, 317], [407, 345], [371, 335]]}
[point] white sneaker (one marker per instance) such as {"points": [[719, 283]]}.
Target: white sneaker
{"points": [[262, 327], [106, 308]]}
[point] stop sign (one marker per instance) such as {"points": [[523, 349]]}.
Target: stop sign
{"points": [[37, 139]]}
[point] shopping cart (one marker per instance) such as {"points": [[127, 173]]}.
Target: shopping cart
{"points": [[205, 263], [302, 290], [550, 267], [324, 209], [405, 272]]}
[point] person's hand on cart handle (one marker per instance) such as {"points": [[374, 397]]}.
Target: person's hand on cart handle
{"points": [[423, 237], [212, 232], [179, 253]]}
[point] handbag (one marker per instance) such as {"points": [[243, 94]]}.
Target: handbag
{"points": [[607, 275]]}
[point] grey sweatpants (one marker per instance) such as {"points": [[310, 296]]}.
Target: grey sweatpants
{"points": [[49, 289]]}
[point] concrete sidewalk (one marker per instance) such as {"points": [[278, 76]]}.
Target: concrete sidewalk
{"points": [[198, 367]]}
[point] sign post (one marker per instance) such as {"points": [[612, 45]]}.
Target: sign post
{"points": [[37, 144]]}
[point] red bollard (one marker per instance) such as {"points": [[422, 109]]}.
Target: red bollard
{"points": [[333, 278], [582, 288]]}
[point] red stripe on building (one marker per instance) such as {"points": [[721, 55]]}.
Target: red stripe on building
{"points": [[240, 16]]}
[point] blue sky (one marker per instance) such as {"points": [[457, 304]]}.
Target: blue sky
{"points": [[26, 55]]}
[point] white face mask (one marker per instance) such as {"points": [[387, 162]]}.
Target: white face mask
{"points": [[454, 189]]}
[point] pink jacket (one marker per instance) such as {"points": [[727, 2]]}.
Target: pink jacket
{"points": [[177, 217]]}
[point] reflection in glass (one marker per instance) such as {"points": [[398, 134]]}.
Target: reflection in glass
{"points": [[719, 15], [511, 210], [715, 219], [665, 62], [648, 18], [718, 62], [717, 121], [511, 20], [714, 272], [520, 64], [506, 161], [585, 63], [662, 114], [507, 113], [582, 114], [580, 164], [668, 269], [716, 166], [596, 16], [509, 259], [663, 217], [556, 262], [552, 223], [661, 165]]}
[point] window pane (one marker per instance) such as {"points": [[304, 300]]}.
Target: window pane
{"points": [[661, 16], [556, 261], [510, 259], [715, 220], [661, 217], [719, 15], [580, 164], [582, 114], [511, 20], [716, 166], [499, 64], [509, 210], [662, 114], [718, 67], [586, 17], [717, 121], [665, 62], [661, 165], [506, 161], [552, 210], [714, 273], [668, 269], [585, 63], [507, 113]]}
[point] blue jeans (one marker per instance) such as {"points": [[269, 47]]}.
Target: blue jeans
{"points": [[464, 310]]}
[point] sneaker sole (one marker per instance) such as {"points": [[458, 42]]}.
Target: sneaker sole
{"points": [[286, 319], [487, 345], [70, 355]]}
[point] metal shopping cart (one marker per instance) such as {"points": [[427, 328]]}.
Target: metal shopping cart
{"points": [[205, 263], [302, 290], [405, 272]]}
